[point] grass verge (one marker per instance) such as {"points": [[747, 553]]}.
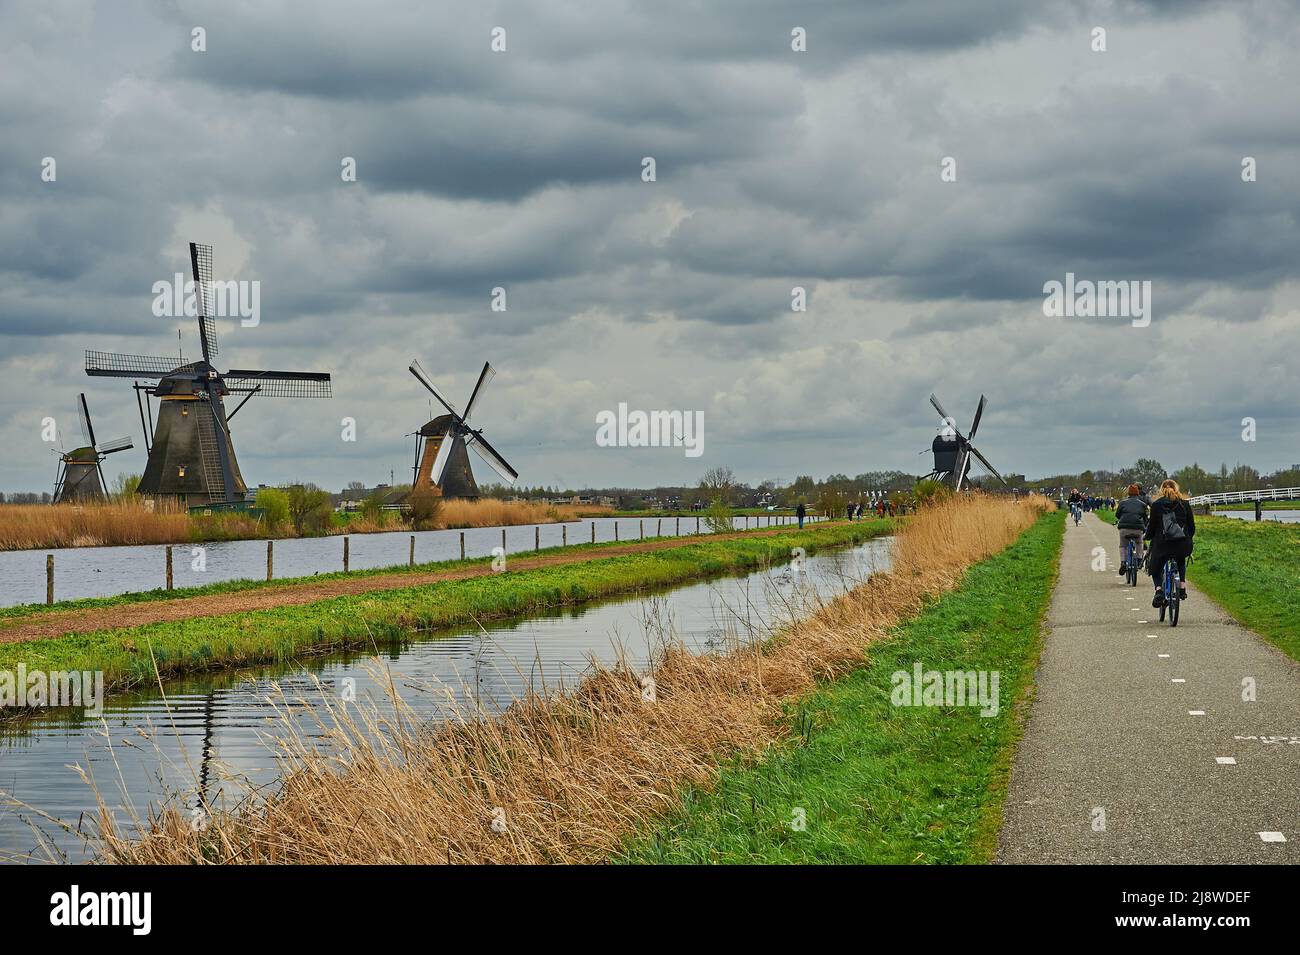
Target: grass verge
{"points": [[126, 656], [879, 783]]}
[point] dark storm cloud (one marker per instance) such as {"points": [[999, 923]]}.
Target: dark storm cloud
{"points": [[775, 169]]}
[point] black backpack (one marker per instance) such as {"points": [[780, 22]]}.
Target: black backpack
{"points": [[1171, 527]]}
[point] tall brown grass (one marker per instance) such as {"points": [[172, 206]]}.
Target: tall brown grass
{"points": [[89, 525], [566, 777], [490, 512]]}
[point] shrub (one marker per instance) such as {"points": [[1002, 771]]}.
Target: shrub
{"points": [[425, 507], [274, 503], [717, 517]]}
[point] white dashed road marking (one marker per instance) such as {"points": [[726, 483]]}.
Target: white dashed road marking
{"points": [[1225, 760], [1196, 712], [1272, 837]]}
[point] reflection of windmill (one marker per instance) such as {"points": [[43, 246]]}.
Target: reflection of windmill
{"points": [[440, 458], [191, 456], [80, 476], [953, 453]]}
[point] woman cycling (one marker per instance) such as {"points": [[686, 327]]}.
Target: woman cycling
{"points": [[1169, 532]]}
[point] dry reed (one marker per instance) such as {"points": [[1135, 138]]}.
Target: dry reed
{"points": [[566, 777], [490, 512], [90, 525]]}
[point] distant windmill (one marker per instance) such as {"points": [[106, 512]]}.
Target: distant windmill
{"points": [[440, 458], [80, 476], [191, 457], [953, 453]]}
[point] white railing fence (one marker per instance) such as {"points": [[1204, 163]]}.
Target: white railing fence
{"points": [[1244, 497]]}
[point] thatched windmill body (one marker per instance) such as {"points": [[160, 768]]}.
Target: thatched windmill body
{"points": [[191, 455], [953, 452], [441, 459], [81, 475]]}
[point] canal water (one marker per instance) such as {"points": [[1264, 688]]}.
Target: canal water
{"points": [[1285, 516], [108, 571], [215, 733]]}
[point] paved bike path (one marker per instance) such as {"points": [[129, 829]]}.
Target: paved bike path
{"points": [[1111, 730]]}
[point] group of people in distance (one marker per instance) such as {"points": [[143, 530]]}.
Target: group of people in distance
{"points": [[1164, 523], [881, 508]]}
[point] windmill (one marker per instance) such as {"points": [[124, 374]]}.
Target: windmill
{"points": [[440, 458], [81, 478], [953, 453], [191, 457]]}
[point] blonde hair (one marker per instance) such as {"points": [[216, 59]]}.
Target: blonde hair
{"points": [[1169, 489]]}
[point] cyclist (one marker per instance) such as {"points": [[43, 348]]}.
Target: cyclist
{"points": [[1169, 531], [1076, 504], [1131, 519]]}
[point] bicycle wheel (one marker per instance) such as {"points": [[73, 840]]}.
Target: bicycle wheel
{"points": [[1173, 609]]}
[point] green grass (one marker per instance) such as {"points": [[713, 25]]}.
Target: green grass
{"points": [[390, 616], [879, 783], [1252, 570]]}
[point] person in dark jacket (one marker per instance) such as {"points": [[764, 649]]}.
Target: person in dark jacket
{"points": [[800, 512], [1172, 504], [1131, 519]]}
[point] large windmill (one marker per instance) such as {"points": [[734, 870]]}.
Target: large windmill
{"points": [[81, 478], [191, 457], [440, 458], [953, 453]]}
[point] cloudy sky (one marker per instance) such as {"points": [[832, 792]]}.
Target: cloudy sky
{"points": [[775, 168]]}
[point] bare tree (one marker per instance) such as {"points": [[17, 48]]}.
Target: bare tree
{"points": [[718, 483]]}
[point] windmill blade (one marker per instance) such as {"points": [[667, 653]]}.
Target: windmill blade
{"points": [[444, 454], [418, 371], [115, 445], [279, 384], [112, 365], [990, 468], [938, 407], [87, 431], [486, 375], [201, 268], [489, 454], [979, 413], [963, 466]]}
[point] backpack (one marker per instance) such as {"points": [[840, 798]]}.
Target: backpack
{"points": [[1171, 527]]}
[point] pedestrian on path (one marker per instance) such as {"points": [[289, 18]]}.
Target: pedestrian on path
{"points": [[799, 512]]}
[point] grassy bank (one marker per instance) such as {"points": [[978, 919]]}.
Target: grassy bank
{"points": [[127, 656], [878, 783], [1252, 570]]}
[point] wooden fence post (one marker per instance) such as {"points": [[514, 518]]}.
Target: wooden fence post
{"points": [[169, 566], [412, 560], [270, 559], [564, 535], [49, 578], [462, 545], [593, 531], [642, 523], [537, 537], [616, 530], [345, 553], [679, 526], [503, 540], [697, 524], [659, 528]]}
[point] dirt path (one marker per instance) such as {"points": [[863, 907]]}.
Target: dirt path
{"points": [[57, 623]]}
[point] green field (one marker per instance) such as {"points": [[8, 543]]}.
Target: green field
{"points": [[878, 783], [127, 656]]}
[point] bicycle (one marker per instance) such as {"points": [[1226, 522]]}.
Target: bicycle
{"points": [[1131, 562], [1170, 591], [1077, 511]]}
